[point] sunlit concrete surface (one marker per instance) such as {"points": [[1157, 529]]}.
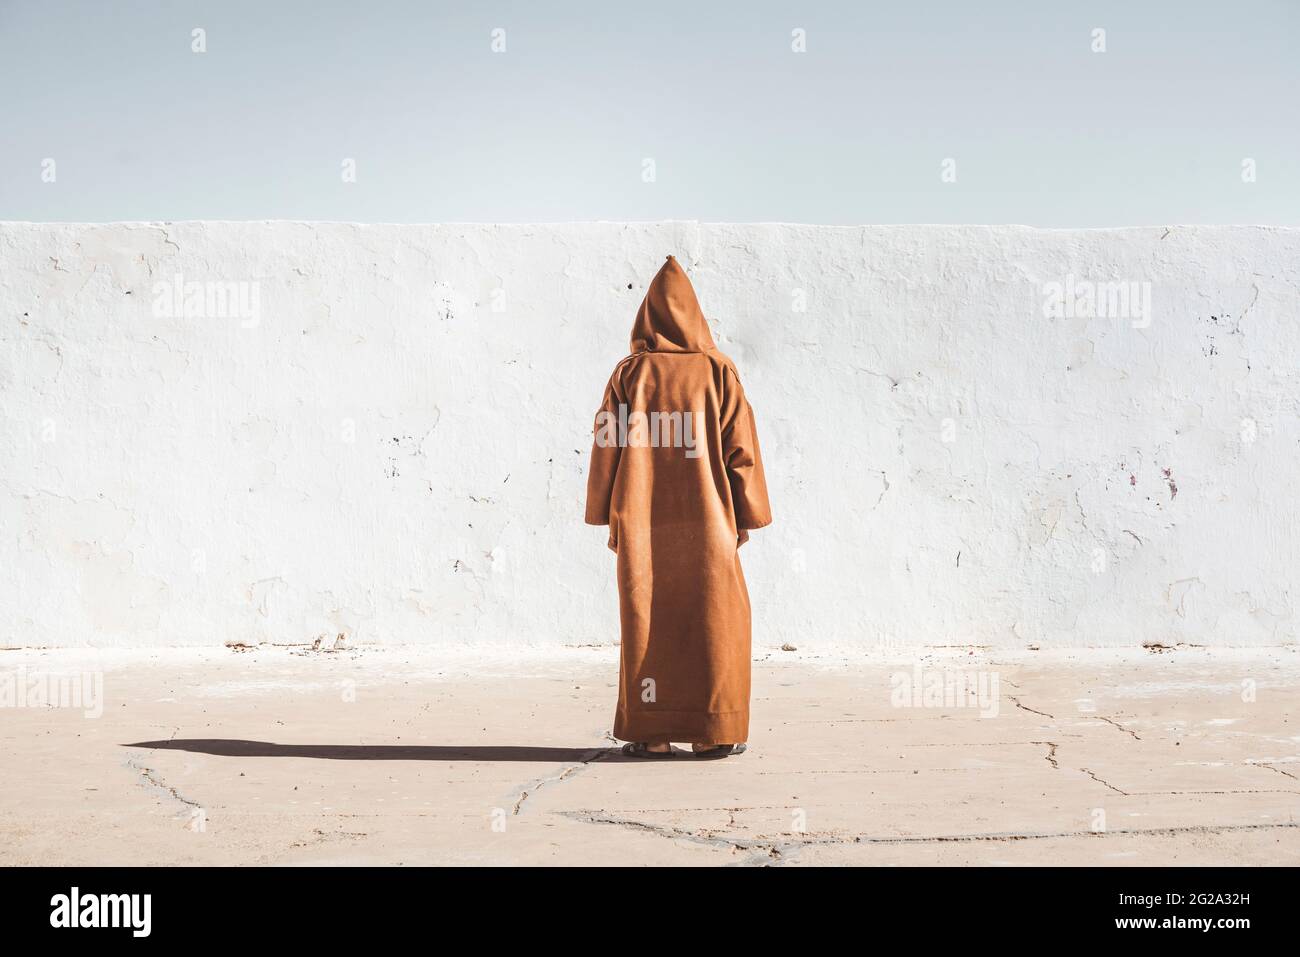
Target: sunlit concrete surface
{"points": [[280, 755]]}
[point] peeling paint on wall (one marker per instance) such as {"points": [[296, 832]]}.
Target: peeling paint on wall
{"points": [[394, 446]]}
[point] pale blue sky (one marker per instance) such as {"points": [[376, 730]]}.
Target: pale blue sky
{"points": [[1044, 131]]}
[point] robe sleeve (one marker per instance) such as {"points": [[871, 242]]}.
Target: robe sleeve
{"points": [[743, 460], [604, 460]]}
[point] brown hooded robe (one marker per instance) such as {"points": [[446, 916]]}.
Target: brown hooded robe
{"points": [[677, 513]]}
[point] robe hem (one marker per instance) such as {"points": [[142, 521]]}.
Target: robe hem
{"points": [[696, 727]]}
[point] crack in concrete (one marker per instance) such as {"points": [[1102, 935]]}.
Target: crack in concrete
{"points": [[986, 744], [1112, 721], [1093, 775], [153, 779], [1051, 759], [151, 776], [1278, 770], [786, 774], [1016, 702], [1051, 751], [323, 837], [783, 849], [760, 853], [1238, 791], [568, 771]]}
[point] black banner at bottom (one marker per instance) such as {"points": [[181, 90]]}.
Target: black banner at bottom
{"points": [[1218, 906]]}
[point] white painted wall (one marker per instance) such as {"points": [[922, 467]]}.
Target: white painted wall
{"points": [[379, 452]]}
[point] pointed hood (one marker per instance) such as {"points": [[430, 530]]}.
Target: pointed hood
{"points": [[670, 319]]}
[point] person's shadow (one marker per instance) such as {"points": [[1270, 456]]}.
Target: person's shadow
{"points": [[236, 748]]}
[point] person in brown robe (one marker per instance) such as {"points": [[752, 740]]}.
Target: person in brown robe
{"points": [[676, 475]]}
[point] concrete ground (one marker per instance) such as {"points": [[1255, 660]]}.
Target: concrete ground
{"points": [[277, 755]]}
